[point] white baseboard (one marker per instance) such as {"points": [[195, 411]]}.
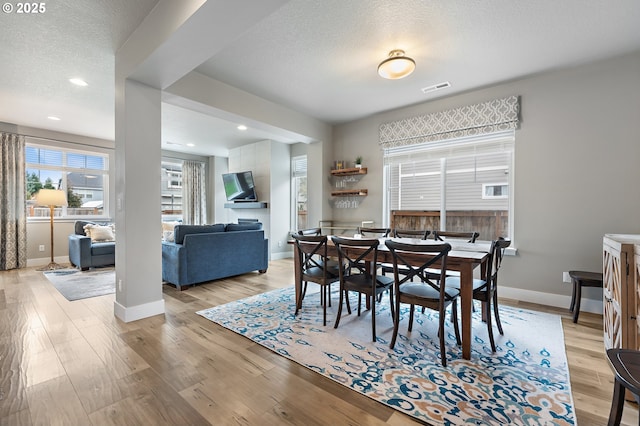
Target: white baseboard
{"points": [[43, 261], [282, 255], [134, 313], [549, 299]]}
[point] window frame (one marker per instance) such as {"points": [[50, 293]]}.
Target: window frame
{"points": [[299, 169], [67, 148], [429, 150]]}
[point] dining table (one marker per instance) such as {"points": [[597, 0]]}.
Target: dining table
{"points": [[464, 257]]}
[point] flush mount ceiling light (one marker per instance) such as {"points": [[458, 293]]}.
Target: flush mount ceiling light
{"points": [[242, 127], [396, 66], [54, 118]]}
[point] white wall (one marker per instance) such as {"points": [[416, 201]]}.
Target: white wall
{"points": [[576, 170]]}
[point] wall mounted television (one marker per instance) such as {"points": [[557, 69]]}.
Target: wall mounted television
{"points": [[239, 187]]}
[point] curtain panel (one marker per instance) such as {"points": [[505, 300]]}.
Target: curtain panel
{"points": [[471, 120], [194, 206], [13, 216]]}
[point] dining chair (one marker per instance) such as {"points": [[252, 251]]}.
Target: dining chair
{"points": [[315, 267], [310, 231], [374, 232], [486, 289], [425, 292], [470, 237], [411, 233], [359, 258], [405, 233]]}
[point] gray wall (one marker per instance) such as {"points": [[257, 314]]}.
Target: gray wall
{"points": [[576, 169]]}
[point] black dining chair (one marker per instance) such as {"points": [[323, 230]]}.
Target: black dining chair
{"points": [[310, 231], [359, 258], [315, 267], [405, 233], [486, 290], [425, 292], [469, 237], [411, 233], [374, 232]]}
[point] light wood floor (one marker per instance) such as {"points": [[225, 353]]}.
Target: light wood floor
{"points": [[74, 363]]}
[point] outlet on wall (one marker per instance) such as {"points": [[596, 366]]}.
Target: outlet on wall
{"points": [[41, 247], [565, 277]]}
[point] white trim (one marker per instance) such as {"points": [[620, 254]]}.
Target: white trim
{"points": [[282, 255], [42, 261], [549, 299], [134, 313]]}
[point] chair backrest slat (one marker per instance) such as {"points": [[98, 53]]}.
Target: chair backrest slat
{"points": [[374, 232], [310, 231], [411, 233], [470, 236]]}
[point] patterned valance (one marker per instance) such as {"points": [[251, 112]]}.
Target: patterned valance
{"points": [[483, 118]]}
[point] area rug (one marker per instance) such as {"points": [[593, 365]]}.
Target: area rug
{"points": [[75, 284], [526, 382]]}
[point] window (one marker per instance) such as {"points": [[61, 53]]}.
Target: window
{"points": [[171, 194], [299, 192], [461, 184], [495, 190], [84, 176]]}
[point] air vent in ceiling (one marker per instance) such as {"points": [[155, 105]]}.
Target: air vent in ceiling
{"points": [[435, 87]]}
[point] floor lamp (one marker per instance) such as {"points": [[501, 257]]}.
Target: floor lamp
{"points": [[51, 198]]}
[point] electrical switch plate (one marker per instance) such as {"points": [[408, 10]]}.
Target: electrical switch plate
{"points": [[565, 277]]}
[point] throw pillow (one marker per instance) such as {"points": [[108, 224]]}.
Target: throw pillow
{"points": [[168, 236], [100, 233], [168, 227]]}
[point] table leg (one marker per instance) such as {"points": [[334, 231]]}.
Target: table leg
{"points": [[466, 299], [296, 280]]}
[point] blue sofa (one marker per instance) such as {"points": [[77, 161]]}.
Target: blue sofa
{"points": [[202, 253], [85, 254]]}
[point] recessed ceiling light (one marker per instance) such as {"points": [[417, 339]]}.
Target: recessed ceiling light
{"points": [[54, 118], [242, 127], [78, 82], [191, 144]]}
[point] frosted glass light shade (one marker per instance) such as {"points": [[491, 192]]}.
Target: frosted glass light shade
{"points": [[396, 66]]}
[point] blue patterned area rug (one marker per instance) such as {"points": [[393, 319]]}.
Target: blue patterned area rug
{"points": [[526, 382]]}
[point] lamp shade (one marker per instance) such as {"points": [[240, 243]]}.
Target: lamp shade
{"points": [[51, 197], [396, 66]]}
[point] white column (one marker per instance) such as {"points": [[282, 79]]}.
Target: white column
{"points": [[138, 216]]}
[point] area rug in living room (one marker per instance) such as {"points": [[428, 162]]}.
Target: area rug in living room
{"points": [[75, 284], [526, 382]]}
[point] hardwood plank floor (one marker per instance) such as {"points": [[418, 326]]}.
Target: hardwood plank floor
{"points": [[74, 363]]}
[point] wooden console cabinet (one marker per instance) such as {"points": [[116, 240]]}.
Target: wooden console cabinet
{"points": [[621, 291]]}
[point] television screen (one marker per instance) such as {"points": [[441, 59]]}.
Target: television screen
{"points": [[239, 186]]}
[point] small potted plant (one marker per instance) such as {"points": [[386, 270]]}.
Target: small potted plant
{"points": [[358, 162]]}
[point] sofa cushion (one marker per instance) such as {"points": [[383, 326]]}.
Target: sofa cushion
{"points": [[255, 226], [99, 249], [100, 233], [181, 230]]}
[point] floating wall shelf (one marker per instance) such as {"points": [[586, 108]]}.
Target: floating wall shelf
{"points": [[348, 172], [349, 192], [247, 205]]}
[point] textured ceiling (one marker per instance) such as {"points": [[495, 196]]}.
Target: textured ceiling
{"points": [[317, 57]]}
